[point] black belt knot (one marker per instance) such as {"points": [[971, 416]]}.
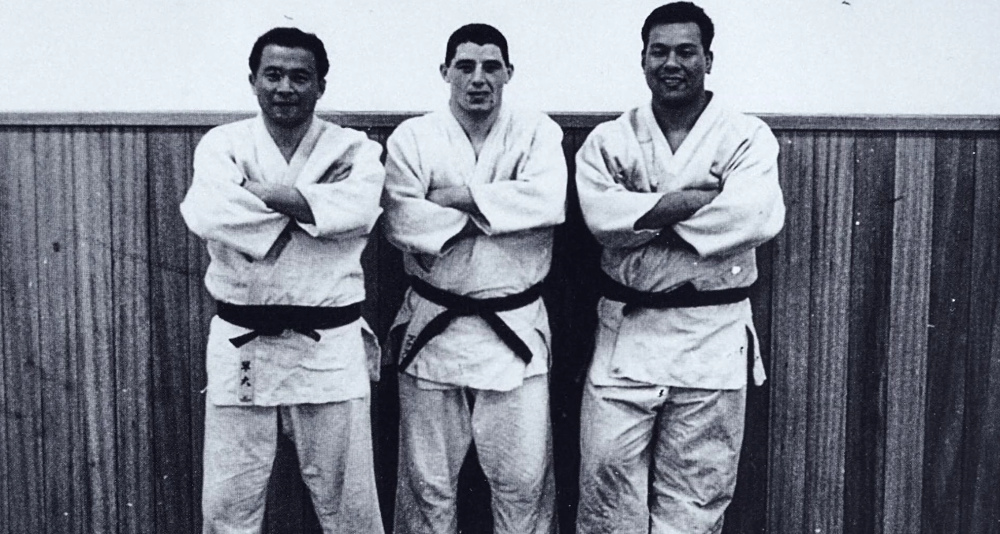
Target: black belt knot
{"points": [[685, 296], [273, 320], [463, 306]]}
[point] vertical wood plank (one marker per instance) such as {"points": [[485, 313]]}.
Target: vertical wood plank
{"points": [[169, 157], [91, 199], [22, 378], [909, 311], [6, 412], [790, 337], [981, 463], [64, 446], [871, 257], [948, 334], [133, 352], [830, 299]]}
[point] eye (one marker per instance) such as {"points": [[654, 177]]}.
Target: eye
{"points": [[272, 76]]}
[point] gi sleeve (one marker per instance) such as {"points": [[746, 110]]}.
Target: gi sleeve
{"points": [[749, 210], [536, 196], [346, 202], [217, 207], [610, 210], [412, 223]]}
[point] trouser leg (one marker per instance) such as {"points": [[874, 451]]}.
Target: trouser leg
{"points": [[616, 430], [695, 460], [513, 436], [434, 437], [334, 445], [240, 443]]}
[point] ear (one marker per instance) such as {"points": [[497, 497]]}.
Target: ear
{"points": [[709, 57], [253, 78], [510, 72], [642, 59], [444, 71], [322, 86]]}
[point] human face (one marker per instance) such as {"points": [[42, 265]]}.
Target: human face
{"points": [[286, 85], [477, 75], [675, 64]]}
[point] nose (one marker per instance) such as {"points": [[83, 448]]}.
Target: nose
{"points": [[477, 76], [671, 60], [284, 85]]}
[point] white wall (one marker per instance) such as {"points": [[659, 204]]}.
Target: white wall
{"points": [[777, 56]]}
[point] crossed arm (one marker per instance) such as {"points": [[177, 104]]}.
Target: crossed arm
{"points": [[227, 206], [739, 209], [282, 199], [426, 218]]}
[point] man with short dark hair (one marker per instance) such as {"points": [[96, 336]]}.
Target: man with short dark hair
{"points": [[679, 193], [472, 195], [285, 202]]}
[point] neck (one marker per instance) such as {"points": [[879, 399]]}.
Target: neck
{"points": [[287, 137], [673, 118], [475, 126]]}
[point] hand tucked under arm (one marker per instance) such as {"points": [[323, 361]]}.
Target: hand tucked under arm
{"points": [[675, 207], [283, 199]]}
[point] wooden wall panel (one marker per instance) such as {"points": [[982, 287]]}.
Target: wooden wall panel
{"points": [[22, 354], [871, 246], [980, 488], [130, 272], [876, 309], [826, 400], [906, 373], [948, 336], [169, 154], [64, 446], [5, 455], [94, 312], [790, 337]]}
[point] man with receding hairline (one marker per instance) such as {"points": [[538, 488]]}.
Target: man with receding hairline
{"points": [[679, 192], [285, 202], [472, 194]]}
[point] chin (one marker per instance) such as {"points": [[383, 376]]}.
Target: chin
{"points": [[480, 109], [676, 100], [289, 121]]}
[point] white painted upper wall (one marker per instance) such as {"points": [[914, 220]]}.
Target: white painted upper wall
{"points": [[771, 56]]}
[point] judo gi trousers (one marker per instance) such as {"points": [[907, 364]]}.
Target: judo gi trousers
{"points": [[687, 440], [334, 445], [513, 437]]}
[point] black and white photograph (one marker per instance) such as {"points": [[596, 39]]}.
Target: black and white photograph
{"points": [[500, 267]]}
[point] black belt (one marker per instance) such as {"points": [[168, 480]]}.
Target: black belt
{"points": [[273, 320], [685, 296], [462, 306]]}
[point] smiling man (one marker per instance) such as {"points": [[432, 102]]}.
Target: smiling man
{"points": [[285, 202], [472, 194], [679, 192]]}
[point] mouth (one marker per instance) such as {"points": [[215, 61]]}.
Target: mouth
{"points": [[673, 82], [477, 95]]}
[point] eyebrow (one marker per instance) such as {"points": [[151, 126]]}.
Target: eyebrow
{"points": [[490, 62], [271, 68]]}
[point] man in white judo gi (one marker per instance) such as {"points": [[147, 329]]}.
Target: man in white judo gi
{"points": [[678, 192], [472, 194], [286, 202]]}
